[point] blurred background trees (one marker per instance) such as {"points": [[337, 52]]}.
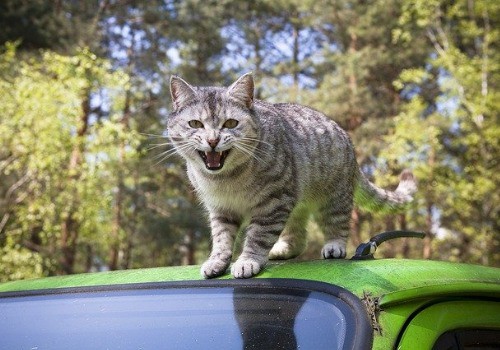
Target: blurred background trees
{"points": [[84, 99]]}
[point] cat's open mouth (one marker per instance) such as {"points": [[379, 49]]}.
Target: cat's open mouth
{"points": [[214, 160]]}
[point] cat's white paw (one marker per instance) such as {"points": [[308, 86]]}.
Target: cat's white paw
{"points": [[246, 268], [334, 250], [214, 267], [281, 250]]}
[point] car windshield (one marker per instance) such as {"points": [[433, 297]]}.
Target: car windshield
{"points": [[178, 318]]}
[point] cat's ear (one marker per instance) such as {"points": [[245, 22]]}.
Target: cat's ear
{"points": [[182, 93], [242, 90]]}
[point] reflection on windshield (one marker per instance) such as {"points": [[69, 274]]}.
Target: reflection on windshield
{"points": [[266, 323], [177, 318], [278, 320]]}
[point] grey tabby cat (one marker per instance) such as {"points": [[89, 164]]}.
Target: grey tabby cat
{"points": [[269, 167]]}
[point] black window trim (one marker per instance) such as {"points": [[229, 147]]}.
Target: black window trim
{"points": [[454, 335], [363, 336]]}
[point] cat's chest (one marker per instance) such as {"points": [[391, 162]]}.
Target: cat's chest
{"points": [[226, 194]]}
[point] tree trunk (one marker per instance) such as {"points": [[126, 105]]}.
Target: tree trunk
{"points": [[127, 253], [427, 251], [114, 251], [389, 223], [355, 228], [258, 59], [295, 62], [70, 226], [355, 119], [188, 248], [69, 235], [89, 261], [405, 243]]}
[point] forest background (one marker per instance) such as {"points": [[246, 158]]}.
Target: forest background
{"points": [[84, 98]]}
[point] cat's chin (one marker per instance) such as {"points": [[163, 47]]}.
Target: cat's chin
{"points": [[214, 161]]}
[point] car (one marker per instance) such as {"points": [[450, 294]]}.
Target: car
{"points": [[361, 303]]}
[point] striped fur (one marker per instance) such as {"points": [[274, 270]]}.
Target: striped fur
{"points": [[286, 162]]}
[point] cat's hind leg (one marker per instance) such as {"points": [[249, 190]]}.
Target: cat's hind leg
{"points": [[334, 219], [293, 239]]}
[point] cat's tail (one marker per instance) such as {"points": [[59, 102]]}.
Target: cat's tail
{"points": [[374, 199]]}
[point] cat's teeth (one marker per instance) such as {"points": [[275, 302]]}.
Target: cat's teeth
{"points": [[219, 153]]}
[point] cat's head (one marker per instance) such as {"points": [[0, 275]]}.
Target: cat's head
{"points": [[213, 128]]}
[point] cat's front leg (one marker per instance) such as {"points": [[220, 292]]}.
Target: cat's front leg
{"points": [[261, 235], [224, 228]]}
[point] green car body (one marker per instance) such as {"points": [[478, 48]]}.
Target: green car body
{"points": [[408, 302]]}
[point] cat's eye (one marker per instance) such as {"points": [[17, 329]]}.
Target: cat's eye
{"points": [[195, 124], [230, 124]]}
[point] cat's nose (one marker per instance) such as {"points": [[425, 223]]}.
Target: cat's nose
{"points": [[213, 142]]}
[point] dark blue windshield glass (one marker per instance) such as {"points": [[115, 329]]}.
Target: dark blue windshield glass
{"points": [[177, 318]]}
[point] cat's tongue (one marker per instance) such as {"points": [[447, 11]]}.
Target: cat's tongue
{"points": [[213, 159]]}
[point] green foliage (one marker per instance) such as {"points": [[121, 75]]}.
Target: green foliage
{"points": [[41, 113], [18, 262], [453, 130]]}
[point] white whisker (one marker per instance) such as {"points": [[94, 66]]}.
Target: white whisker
{"points": [[162, 157], [153, 146], [246, 138], [179, 142], [153, 135], [244, 149], [156, 145], [175, 150], [255, 149]]}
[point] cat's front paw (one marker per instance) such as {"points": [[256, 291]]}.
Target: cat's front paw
{"points": [[246, 267], [214, 267], [334, 250]]}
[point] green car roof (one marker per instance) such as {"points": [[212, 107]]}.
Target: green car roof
{"points": [[394, 280], [391, 289]]}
